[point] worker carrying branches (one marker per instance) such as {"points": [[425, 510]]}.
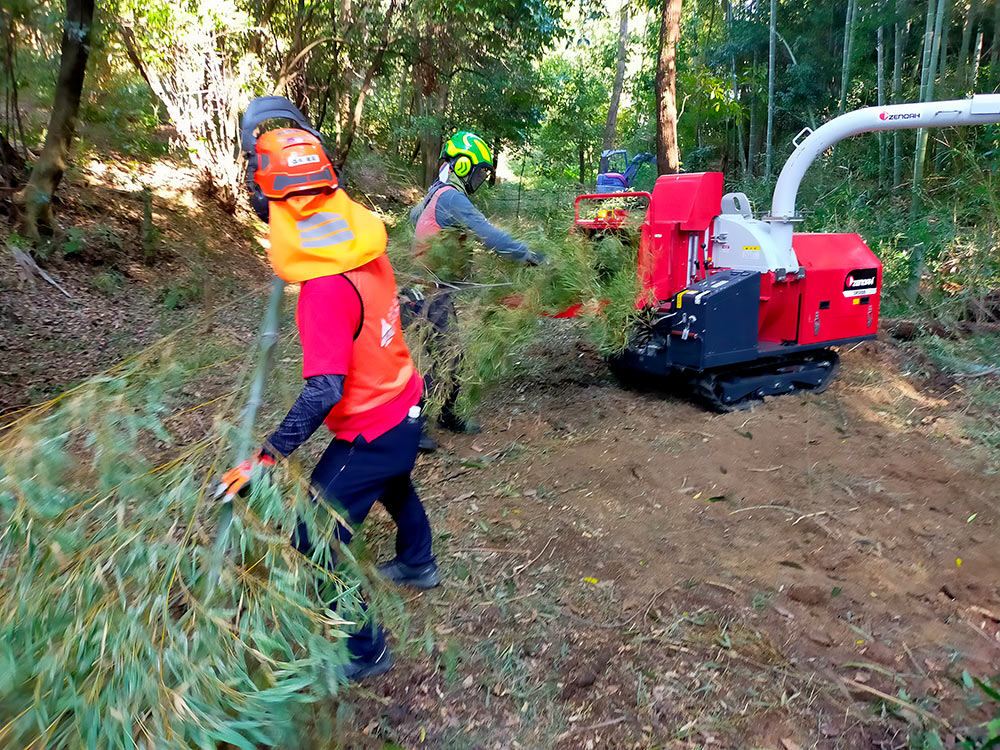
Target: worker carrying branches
{"points": [[466, 162], [359, 377]]}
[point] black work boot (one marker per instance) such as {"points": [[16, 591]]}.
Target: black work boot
{"points": [[358, 669], [452, 422], [427, 444], [418, 576]]}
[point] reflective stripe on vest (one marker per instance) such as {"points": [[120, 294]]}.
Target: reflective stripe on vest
{"points": [[381, 367]]}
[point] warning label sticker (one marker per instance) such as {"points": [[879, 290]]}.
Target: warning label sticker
{"points": [[861, 282]]}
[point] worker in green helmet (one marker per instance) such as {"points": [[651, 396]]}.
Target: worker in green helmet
{"points": [[466, 163]]}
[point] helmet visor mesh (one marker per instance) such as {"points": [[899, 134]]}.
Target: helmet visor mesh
{"points": [[478, 176]]}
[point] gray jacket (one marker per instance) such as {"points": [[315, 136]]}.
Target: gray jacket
{"points": [[454, 209]]}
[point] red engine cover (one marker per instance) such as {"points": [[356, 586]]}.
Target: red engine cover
{"points": [[842, 288]]}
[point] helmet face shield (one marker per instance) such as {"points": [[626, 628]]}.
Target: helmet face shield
{"points": [[477, 177]]}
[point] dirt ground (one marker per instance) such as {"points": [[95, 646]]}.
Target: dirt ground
{"points": [[625, 570], [621, 569]]}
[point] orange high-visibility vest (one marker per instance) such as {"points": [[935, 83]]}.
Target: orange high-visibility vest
{"points": [[381, 367], [322, 235], [327, 234], [427, 224]]}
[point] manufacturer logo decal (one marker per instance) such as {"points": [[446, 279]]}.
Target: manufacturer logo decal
{"points": [[388, 331], [861, 282], [389, 323], [898, 116]]}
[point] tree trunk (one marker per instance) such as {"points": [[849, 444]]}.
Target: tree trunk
{"points": [[925, 60], [430, 139], [736, 92], [583, 163], [403, 100], [926, 94], [699, 65], [902, 24], [259, 36], [845, 75], [754, 136], [943, 55], [962, 69], [341, 105], [773, 38], [995, 51], [936, 47], [880, 78], [616, 92], [667, 153], [428, 87], [359, 105], [977, 54], [927, 79], [47, 172]]}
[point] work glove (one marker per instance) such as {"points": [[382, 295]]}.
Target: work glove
{"points": [[236, 481], [534, 259]]}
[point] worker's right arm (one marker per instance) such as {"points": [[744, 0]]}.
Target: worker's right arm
{"points": [[455, 209]]}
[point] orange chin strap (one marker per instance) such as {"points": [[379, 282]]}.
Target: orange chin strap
{"points": [[322, 235]]}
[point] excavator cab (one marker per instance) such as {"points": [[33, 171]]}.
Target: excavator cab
{"points": [[616, 173]]}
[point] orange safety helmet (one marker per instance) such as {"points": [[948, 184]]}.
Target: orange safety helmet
{"points": [[289, 161]]}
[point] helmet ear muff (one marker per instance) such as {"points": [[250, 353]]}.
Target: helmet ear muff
{"points": [[463, 165], [259, 202]]}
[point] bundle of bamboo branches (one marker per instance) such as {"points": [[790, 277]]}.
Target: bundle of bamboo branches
{"points": [[499, 313], [115, 631], [119, 625]]}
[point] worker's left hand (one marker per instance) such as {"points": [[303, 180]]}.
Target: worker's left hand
{"points": [[236, 481]]}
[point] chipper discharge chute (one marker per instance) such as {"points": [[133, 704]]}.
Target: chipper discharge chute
{"points": [[743, 308]]}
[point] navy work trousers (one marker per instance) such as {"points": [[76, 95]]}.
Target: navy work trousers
{"points": [[352, 476], [435, 321]]}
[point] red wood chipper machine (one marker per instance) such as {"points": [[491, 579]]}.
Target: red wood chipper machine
{"points": [[742, 308]]}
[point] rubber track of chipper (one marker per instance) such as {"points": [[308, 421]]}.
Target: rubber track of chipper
{"points": [[707, 385]]}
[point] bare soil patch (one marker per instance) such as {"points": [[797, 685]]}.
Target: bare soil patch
{"points": [[625, 570]]}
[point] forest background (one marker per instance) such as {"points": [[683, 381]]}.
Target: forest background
{"points": [[549, 85], [128, 87]]}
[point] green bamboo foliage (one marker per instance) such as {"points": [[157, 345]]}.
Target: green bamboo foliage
{"points": [[501, 315], [107, 636], [118, 626]]}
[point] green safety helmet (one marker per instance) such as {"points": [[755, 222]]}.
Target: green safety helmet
{"points": [[469, 157]]}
